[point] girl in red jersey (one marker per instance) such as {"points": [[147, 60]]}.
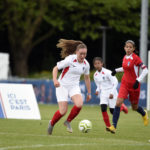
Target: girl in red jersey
{"points": [[130, 83], [74, 65]]}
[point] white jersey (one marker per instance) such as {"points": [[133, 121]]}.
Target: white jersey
{"points": [[105, 81], [72, 70]]}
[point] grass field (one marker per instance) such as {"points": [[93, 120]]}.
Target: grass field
{"points": [[32, 134]]}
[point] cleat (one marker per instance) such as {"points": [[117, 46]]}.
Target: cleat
{"points": [[145, 118], [50, 128], [107, 129], [67, 124], [112, 129], [124, 108]]}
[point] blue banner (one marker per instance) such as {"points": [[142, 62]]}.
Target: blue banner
{"points": [[45, 92]]}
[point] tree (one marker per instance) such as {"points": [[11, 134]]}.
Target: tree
{"points": [[87, 16], [22, 19], [30, 22]]}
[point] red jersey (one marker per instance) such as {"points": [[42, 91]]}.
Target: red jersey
{"points": [[131, 65]]}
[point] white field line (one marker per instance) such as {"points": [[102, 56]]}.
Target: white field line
{"points": [[100, 141], [62, 145], [41, 145]]}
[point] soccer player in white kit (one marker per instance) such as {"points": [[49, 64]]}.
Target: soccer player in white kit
{"points": [[107, 87], [73, 66]]}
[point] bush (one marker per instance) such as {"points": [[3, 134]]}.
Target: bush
{"points": [[48, 75]]}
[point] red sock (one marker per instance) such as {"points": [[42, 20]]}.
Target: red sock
{"points": [[74, 112], [106, 119], [124, 108], [56, 117]]}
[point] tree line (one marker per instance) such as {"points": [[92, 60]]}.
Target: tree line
{"points": [[30, 29]]}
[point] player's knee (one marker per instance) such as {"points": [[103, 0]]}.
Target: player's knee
{"points": [[118, 103], [79, 104], [111, 110], [103, 107], [134, 108], [63, 111]]}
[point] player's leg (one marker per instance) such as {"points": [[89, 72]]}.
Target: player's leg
{"points": [[111, 110], [76, 97], [78, 102], [114, 108], [103, 104], [134, 98], [123, 93], [112, 102], [124, 108], [57, 115], [105, 115], [142, 112], [62, 95], [116, 115]]}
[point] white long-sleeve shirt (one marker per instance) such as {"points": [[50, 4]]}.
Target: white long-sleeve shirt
{"points": [[105, 81]]}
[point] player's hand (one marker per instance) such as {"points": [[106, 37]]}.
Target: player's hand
{"points": [[136, 84], [113, 72], [111, 96], [56, 83], [88, 97], [96, 93]]}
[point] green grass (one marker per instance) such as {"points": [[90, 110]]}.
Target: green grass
{"points": [[31, 134]]}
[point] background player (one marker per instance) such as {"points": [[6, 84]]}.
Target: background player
{"points": [[106, 86], [130, 83], [74, 65]]}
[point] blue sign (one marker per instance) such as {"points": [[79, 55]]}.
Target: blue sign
{"points": [[45, 92], [1, 111]]}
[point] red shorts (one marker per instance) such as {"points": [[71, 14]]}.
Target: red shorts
{"points": [[127, 90]]}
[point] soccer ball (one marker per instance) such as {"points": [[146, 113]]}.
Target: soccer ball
{"points": [[85, 126]]}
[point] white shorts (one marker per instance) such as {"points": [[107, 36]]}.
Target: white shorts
{"points": [[104, 98], [63, 92]]}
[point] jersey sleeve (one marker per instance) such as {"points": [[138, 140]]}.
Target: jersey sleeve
{"points": [[64, 63], [138, 61], [97, 85], [87, 69], [114, 82], [119, 69]]}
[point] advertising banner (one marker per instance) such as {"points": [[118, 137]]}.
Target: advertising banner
{"points": [[45, 92], [18, 101]]}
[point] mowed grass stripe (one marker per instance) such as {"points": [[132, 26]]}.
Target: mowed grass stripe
{"points": [[31, 134], [112, 140]]}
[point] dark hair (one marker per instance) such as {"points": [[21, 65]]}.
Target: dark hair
{"points": [[130, 41], [133, 43], [69, 47], [97, 58]]}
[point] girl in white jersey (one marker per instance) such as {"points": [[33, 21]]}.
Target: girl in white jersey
{"points": [[73, 66], [107, 87]]}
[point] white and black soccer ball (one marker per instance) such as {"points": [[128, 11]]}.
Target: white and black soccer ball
{"points": [[85, 126]]}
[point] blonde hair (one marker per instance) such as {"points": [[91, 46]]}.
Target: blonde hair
{"points": [[69, 47]]}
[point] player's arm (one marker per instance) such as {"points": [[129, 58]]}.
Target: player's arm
{"points": [[88, 86], [117, 70], [98, 87], [55, 72], [143, 73], [142, 76], [64, 63], [114, 82]]}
